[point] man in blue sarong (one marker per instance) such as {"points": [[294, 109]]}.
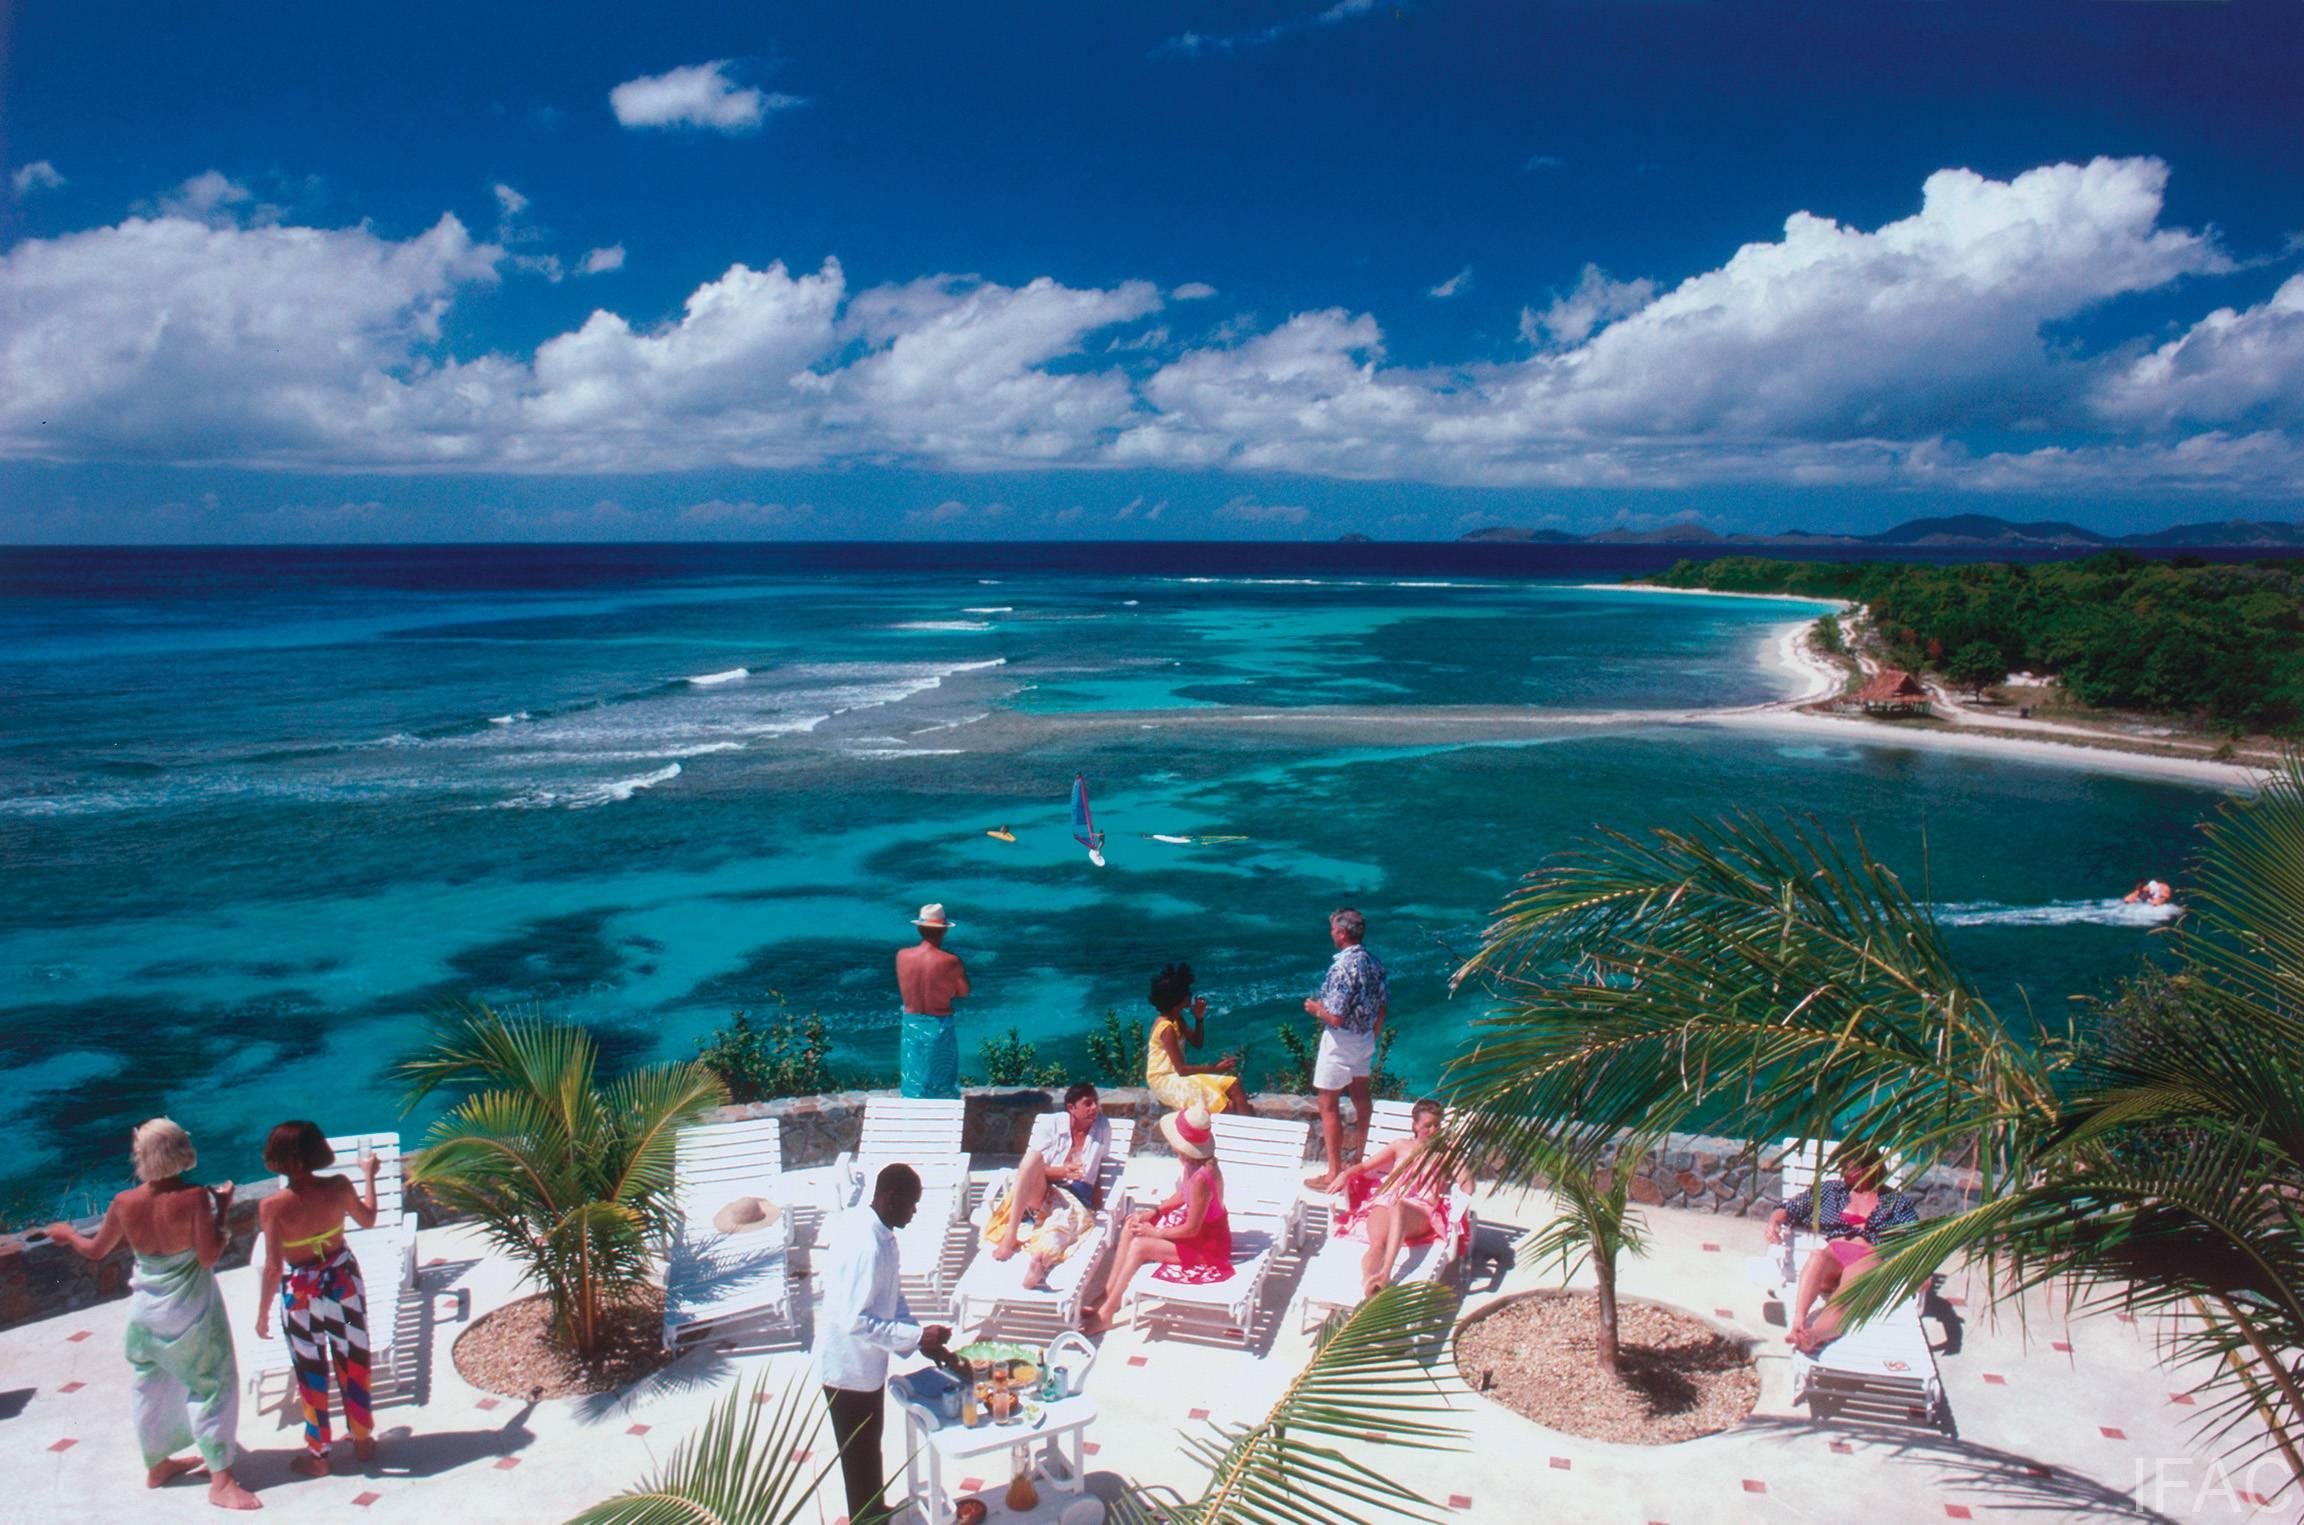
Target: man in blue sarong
{"points": [[931, 980]]}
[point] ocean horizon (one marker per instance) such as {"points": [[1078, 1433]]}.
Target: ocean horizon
{"points": [[270, 811]]}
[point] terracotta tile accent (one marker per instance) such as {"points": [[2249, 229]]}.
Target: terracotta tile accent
{"points": [[73, 1387], [2110, 1433], [1994, 1379], [365, 1499], [1138, 1360], [1957, 1512], [1459, 1501], [971, 1484], [1711, 1249], [2034, 1469], [486, 1403], [77, 1336], [507, 1463], [437, 1260], [1842, 1448], [1197, 1414], [1091, 1447], [2183, 1398], [804, 1456], [1560, 1464], [1956, 1302], [1723, 1313], [638, 1429], [2063, 1345], [1754, 1485], [66, 1444]]}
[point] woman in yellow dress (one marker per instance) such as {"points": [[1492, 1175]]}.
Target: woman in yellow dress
{"points": [[1173, 1083]]}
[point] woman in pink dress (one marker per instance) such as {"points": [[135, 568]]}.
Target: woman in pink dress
{"points": [[1188, 1236], [1387, 1204]]}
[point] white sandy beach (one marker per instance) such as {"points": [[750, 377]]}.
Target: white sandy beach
{"points": [[1809, 677]]}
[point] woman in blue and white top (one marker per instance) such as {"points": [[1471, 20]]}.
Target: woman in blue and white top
{"points": [[1850, 1213]]}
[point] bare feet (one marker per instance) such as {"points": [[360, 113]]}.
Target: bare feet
{"points": [[1321, 1180], [1792, 1335], [174, 1467], [225, 1492], [1035, 1275], [1004, 1249], [1372, 1286], [364, 1448], [1095, 1321], [310, 1465]]}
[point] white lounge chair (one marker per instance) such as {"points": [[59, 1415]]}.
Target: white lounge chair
{"points": [[387, 1257], [714, 1281], [1332, 1278], [1881, 1370], [1226, 1309], [1263, 1164], [924, 1134], [992, 1290]]}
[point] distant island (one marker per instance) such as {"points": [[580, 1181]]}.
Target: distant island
{"points": [[1957, 532]]}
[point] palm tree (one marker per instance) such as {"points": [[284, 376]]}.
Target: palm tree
{"points": [[1772, 984], [1372, 1373], [727, 1473], [1596, 1223], [569, 1178]]}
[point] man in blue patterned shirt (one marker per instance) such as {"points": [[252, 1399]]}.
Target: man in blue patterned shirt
{"points": [[1350, 1009]]}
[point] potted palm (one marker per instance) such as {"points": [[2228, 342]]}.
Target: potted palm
{"points": [[569, 1176]]}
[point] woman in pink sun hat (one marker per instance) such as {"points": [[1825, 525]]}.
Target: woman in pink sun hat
{"points": [[1188, 1236]]}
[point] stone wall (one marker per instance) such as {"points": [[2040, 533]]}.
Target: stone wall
{"points": [[40, 1279]]}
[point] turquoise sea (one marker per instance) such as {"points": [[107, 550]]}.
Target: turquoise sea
{"points": [[265, 814]]}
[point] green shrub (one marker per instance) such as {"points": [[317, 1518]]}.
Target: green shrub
{"points": [[1011, 1061], [788, 1056], [1116, 1052], [1830, 638]]}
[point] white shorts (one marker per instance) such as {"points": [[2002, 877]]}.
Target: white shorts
{"points": [[1343, 1058]]}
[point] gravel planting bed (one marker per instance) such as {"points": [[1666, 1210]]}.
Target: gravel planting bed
{"points": [[1680, 1377], [514, 1352]]}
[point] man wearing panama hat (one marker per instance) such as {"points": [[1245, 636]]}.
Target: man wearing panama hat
{"points": [[931, 980]]}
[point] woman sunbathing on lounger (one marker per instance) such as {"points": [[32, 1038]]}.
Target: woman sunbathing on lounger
{"points": [[1388, 1205], [1190, 1230], [1850, 1213]]}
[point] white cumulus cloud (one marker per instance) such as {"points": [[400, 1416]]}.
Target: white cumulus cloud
{"points": [[1908, 353], [700, 95], [1455, 285], [1244, 509], [1192, 291], [39, 175]]}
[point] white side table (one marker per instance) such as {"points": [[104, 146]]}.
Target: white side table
{"points": [[1059, 1440]]}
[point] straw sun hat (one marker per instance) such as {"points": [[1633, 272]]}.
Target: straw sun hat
{"points": [[1189, 1132], [746, 1215]]}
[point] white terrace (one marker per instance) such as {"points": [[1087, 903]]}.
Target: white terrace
{"points": [[2059, 1420]]}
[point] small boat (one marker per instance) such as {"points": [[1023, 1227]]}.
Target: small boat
{"points": [[1001, 834], [1083, 823]]}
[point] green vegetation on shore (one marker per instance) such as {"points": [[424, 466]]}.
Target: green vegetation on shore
{"points": [[2224, 643]]}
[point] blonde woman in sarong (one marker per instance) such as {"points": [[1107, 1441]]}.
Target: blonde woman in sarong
{"points": [[187, 1383]]}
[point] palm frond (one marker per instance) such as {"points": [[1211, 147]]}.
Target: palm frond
{"points": [[1373, 1374], [729, 1472]]}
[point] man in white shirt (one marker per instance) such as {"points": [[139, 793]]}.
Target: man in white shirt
{"points": [[1067, 1150], [865, 1320]]}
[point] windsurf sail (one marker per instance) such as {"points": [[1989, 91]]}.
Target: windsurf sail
{"points": [[1084, 823]]}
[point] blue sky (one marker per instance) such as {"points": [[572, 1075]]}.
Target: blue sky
{"points": [[361, 272]]}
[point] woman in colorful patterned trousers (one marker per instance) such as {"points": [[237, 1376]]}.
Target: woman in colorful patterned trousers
{"points": [[323, 1302]]}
